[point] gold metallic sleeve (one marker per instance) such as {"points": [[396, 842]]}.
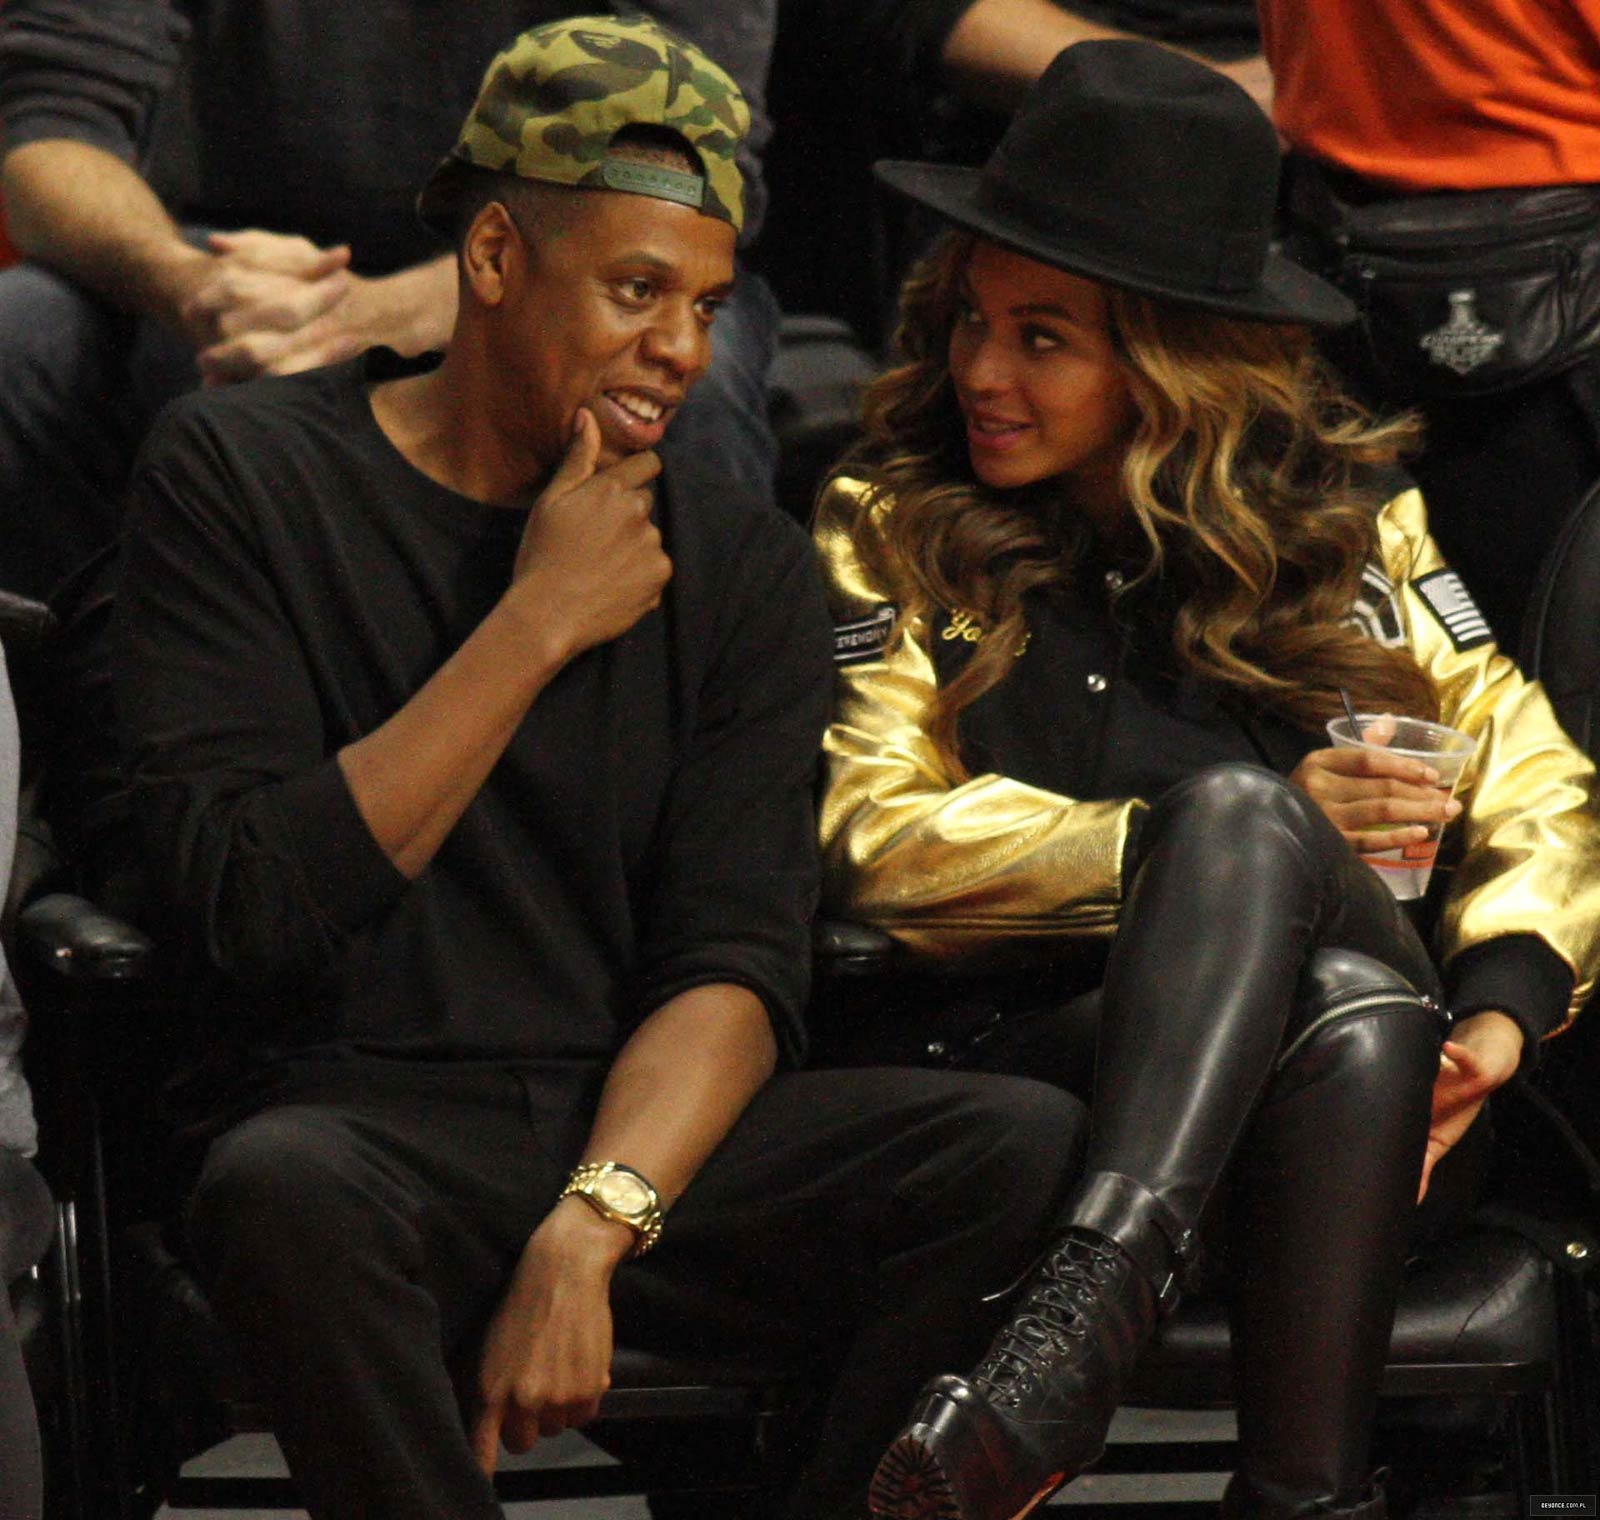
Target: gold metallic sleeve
{"points": [[983, 869], [1528, 857]]}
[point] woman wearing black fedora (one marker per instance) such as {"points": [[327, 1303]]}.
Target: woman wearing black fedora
{"points": [[1113, 553]]}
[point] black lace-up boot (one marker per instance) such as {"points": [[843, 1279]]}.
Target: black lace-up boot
{"points": [[1036, 1409]]}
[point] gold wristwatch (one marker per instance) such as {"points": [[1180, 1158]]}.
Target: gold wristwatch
{"points": [[617, 1192]]}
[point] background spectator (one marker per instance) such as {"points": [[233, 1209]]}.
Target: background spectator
{"points": [[1495, 104]]}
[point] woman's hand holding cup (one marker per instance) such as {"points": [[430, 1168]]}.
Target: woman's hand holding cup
{"points": [[1372, 795], [1387, 789]]}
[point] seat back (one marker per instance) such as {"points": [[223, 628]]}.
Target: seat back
{"points": [[813, 398], [1561, 647], [1561, 626]]}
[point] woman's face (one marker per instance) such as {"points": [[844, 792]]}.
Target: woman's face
{"points": [[1037, 377]]}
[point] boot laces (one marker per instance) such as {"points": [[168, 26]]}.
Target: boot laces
{"points": [[1051, 1322]]}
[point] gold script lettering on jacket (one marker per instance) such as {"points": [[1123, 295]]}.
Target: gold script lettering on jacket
{"points": [[969, 630]]}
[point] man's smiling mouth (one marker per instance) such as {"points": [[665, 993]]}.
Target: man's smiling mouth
{"points": [[636, 404]]}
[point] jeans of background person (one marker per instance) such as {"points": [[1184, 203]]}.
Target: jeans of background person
{"points": [[26, 1222], [725, 417], [80, 384]]}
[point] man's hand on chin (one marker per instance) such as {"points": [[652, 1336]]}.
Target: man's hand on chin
{"points": [[547, 1357]]}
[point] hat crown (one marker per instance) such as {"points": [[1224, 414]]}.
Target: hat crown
{"points": [[1144, 159], [553, 100]]}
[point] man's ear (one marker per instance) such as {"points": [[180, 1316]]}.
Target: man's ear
{"points": [[491, 245]]}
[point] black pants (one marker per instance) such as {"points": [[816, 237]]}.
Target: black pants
{"points": [[1259, 1058], [26, 1222], [357, 1231], [1501, 474]]}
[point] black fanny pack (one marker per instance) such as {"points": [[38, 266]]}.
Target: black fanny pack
{"points": [[1462, 293]]}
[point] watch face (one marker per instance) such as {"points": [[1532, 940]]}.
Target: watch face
{"points": [[627, 1195]]}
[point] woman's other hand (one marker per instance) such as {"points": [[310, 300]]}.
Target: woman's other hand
{"points": [[1483, 1052], [1378, 801]]}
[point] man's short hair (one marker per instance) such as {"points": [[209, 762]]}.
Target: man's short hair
{"points": [[541, 209]]}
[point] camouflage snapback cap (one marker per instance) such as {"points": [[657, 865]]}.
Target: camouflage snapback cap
{"points": [[551, 103]]}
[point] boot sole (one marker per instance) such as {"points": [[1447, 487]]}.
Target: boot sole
{"points": [[913, 1481]]}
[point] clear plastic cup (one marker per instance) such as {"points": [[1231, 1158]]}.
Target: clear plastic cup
{"points": [[1407, 868]]}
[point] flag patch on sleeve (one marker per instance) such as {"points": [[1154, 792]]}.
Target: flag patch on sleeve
{"points": [[1452, 604], [863, 638]]}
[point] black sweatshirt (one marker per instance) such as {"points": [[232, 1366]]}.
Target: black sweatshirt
{"points": [[290, 582]]}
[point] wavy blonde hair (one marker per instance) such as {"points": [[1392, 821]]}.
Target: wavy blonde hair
{"points": [[1240, 478]]}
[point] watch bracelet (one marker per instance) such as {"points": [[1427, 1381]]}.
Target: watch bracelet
{"points": [[587, 1173]]}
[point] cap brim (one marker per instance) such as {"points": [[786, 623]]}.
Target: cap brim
{"points": [[1287, 292]]}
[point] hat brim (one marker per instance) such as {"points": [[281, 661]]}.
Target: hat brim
{"points": [[1287, 292]]}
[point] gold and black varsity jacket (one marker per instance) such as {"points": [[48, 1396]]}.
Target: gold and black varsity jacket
{"points": [[996, 866]]}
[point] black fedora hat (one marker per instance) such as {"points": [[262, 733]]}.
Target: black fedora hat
{"points": [[1139, 167]]}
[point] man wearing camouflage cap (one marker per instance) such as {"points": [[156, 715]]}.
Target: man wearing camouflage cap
{"points": [[475, 750], [215, 189]]}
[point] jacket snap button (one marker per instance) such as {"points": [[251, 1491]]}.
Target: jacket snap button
{"points": [[1096, 683]]}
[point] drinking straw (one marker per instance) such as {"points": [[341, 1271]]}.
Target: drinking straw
{"points": [[1350, 713]]}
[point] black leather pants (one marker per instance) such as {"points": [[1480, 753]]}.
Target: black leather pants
{"points": [[1269, 1015]]}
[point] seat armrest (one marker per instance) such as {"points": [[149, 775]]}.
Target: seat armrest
{"points": [[79, 941], [36, 866], [25, 625], [848, 949]]}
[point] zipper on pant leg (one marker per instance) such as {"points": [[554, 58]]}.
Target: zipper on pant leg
{"points": [[1359, 1002]]}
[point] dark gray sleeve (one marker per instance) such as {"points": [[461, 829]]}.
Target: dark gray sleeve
{"points": [[264, 865], [736, 878], [89, 70]]}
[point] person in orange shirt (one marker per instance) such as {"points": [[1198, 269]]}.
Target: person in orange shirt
{"points": [[1487, 116], [1435, 95]]}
